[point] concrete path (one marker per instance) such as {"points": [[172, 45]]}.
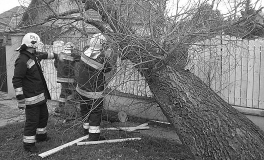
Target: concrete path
{"points": [[9, 113]]}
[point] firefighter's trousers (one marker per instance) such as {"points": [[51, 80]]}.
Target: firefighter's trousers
{"points": [[36, 122], [91, 111], [66, 91]]}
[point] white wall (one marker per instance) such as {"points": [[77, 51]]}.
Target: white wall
{"points": [[11, 56], [147, 110]]}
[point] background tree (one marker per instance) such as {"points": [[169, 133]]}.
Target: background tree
{"points": [[250, 24], [144, 32]]}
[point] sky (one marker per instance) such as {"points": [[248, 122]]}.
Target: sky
{"points": [[224, 6], [6, 5]]}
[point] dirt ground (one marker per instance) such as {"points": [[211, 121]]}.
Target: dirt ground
{"points": [[9, 113]]}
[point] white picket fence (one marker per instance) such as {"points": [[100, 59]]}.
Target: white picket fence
{"points": [[50, 74], [234, 68]]}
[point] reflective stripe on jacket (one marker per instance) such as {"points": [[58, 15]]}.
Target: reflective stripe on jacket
{"points": [[93, 95]]}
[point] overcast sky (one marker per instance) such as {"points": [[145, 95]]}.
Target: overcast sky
{"points": [[225, 6], [6, 5]]}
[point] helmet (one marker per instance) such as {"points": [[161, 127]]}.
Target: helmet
{"points": [[58, 43], [68, 47], [30, 40], [58, 46], [96, 45], [97, 41]]}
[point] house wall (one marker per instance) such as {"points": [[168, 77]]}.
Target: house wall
{"points": [[150, 110], [134, 107], [257, 120], [11, 56]]}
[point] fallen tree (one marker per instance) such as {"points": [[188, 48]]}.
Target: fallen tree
{"points": [[158, 46]]}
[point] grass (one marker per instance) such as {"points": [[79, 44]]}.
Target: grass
{"points": [[148, 148]]}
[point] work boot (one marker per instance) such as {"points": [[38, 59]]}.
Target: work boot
{"points": [[30, 147], [42, 138], [95, 137]]}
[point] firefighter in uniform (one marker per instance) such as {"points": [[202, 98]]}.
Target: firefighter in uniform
{"points": [[90, 85], [66, 74], [31, 91]]}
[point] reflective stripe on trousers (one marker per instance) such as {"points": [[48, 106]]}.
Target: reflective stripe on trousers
{"points": [[94, 129], [86, 125], [41, 130], [29, 139]]}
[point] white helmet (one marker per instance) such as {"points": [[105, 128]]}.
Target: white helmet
{"points": [[96, 44], [30, 40], [58, 46], [68, 47], [97, 41]]}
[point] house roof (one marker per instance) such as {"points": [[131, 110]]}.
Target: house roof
{"points": [[38, 11], [260, 18], [11, 18]]}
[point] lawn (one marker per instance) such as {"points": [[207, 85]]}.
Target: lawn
{"points": [[148, 148]]}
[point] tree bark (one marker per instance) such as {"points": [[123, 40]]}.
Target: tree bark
{"points": [[208, 125]]}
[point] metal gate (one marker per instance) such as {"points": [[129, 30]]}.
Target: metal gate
{"points": [[3, 79]]}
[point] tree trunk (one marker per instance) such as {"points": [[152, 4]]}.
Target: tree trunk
{"points": [[208, 125]]}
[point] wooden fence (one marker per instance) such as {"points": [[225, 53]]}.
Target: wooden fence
{"points": [[233, 68]]}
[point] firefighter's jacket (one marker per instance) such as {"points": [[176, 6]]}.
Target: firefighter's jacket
{"points": [[66, 68], [28, 80], [91, 80]]}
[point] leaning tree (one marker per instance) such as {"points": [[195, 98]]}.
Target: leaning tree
{"points": [[157, 42]]}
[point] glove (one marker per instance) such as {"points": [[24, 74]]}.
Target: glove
{"points": [[61, 56], [21, 104], [108, 53], [76, 57]]}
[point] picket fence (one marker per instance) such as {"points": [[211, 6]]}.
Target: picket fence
{"points": [[232, 67]]}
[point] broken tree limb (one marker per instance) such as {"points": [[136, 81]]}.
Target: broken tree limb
{"points": [[128, 129], [143, 125], [54, 150], [108, 141]]}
